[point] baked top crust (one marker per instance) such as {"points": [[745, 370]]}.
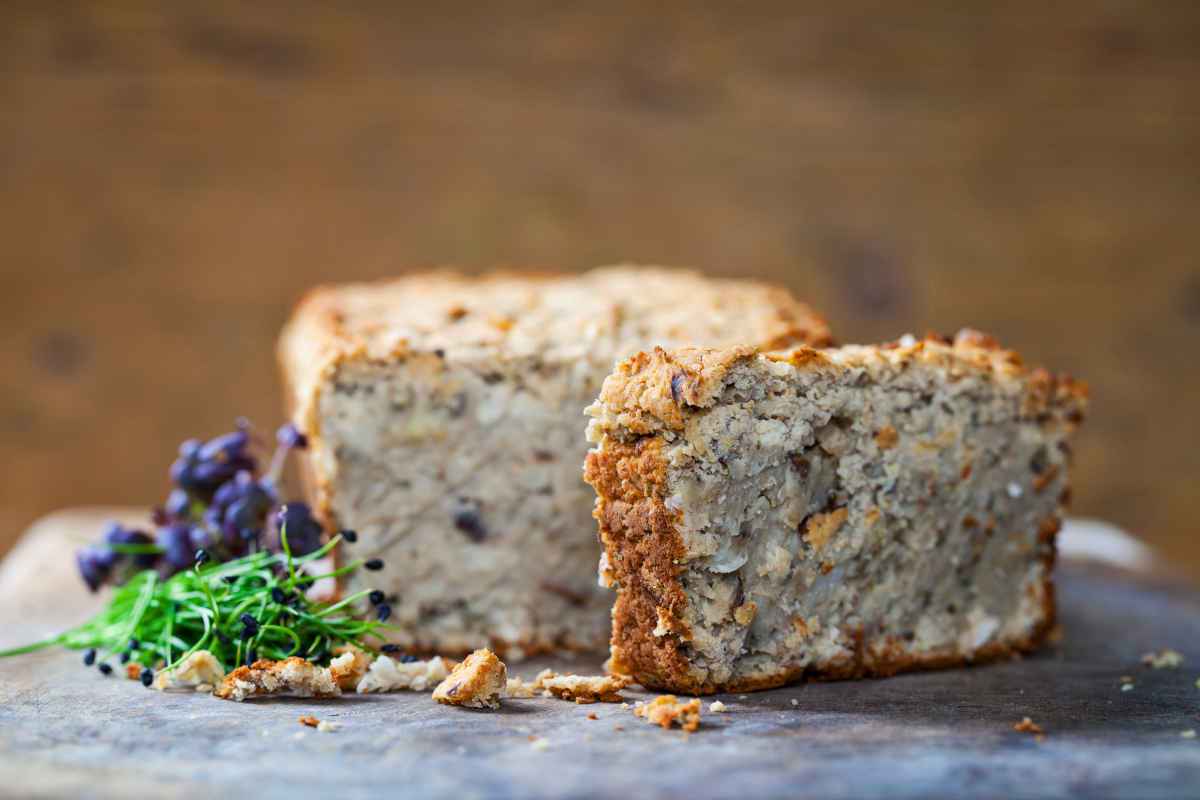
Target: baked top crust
{"points": [[599, 316], [608, 312], [653, 391]]}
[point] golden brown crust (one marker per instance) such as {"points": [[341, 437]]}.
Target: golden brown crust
{"points": [[643, 546], [654, 388], [651, 391]]}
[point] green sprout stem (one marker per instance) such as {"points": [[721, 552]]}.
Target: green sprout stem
{"points": [[201, 608]]}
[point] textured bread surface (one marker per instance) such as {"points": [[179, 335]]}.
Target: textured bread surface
{"points": [[830, 513], [445, 415]]}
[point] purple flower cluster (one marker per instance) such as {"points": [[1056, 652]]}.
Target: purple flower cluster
{"points": [[219, 504]]}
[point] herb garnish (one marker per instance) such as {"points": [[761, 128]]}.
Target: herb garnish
{"points": [[250, 606]]}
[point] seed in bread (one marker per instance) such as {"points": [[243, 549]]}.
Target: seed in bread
{"points": [[444, 416], [758, 528]]}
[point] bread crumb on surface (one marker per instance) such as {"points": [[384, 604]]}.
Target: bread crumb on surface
{"points": [[520, 689], [1027, 725], [538, 743], [349, 666], [667, 709], [717, 707], [388, 675], [1163, 659], [199, 669], [587, 688], [292, 677], [795, 702], [327, 727], [592, 715], [1190, 733], [478, 682], [309, 720]]}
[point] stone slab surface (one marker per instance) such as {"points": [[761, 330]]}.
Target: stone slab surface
{"points": [[66, 731]]}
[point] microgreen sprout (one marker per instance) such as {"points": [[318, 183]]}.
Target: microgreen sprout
{"points": [[249, 607]]}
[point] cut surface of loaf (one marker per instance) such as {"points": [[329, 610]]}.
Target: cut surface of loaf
{"points": [[832, 513], [446, 426]]}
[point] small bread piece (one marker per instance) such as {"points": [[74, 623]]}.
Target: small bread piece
{"points": [[292, 677], [388, 675], [520, 689], [838, 513], [443, 416], [201, 668], [666, 710], [478, 682], [585, 689], [349, 666]]}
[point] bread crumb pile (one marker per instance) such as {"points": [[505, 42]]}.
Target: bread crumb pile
{"points": [[666, 710]]}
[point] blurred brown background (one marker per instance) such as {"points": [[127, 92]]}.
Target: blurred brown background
{"points": [[172, 177]]}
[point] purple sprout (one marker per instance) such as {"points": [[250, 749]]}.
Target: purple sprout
{"points": [[219, 504], [176, 541], [95, 565], [202, 467], [304, 532]]}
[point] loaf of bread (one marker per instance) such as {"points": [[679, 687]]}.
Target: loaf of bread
{"points": [[446, 426], [835, 513]]}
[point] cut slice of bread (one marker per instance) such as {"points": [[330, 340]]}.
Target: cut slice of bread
{"points": [[835, 513], [445, 416]]}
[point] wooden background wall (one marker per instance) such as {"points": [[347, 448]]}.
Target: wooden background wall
{"points": [[173, 175]]}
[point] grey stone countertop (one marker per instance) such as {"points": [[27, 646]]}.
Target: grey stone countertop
{"points": [[69, 732]]}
